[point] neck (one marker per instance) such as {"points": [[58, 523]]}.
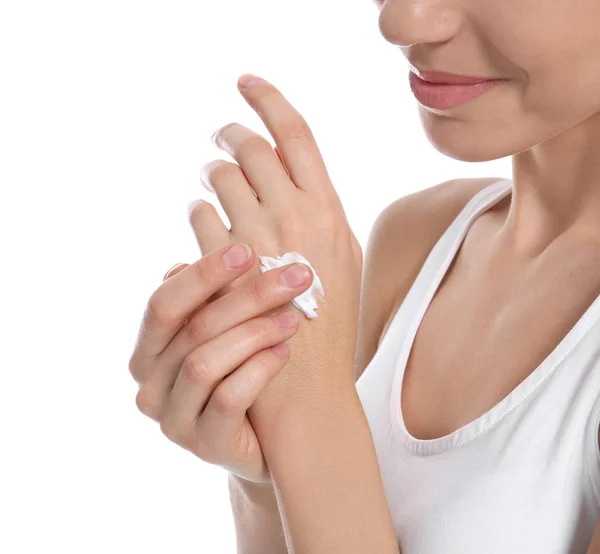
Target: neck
{"points": [[556, 191]]}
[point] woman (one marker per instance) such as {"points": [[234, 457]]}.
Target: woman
{"points": [[473, 425]]}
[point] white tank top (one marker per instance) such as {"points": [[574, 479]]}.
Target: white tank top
{"points": [[524, 477]]}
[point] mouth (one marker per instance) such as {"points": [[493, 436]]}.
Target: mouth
{"points": [[443, 91]]}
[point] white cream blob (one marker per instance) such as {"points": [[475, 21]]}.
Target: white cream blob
{"points": [[307, 301]]}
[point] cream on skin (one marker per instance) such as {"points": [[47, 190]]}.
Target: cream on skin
{"points": [[307, 301], [311, 426]]}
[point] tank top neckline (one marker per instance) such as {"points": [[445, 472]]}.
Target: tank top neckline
{"points": [[425, 285]]}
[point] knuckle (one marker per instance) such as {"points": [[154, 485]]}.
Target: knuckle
{"points": [[225, 399], [158, 309], [133, 369], [265, 360], [202, 271], [170, 428], [144, 403], [297, 130], [197, 370], [288, 224], [257, 290], [166, 427], [199, 329], [257, 329]]}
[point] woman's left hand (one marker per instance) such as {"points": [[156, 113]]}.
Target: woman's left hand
{"points": [[295, 208]]}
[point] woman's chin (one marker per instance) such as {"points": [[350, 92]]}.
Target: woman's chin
{"points": [[460, 141], [465, 150]]}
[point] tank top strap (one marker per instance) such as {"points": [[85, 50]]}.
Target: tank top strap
{"points": [[425, 282], [445, 248], [569, 374]]}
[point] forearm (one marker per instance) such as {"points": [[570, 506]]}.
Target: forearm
{"points": [[326, 477], [258, 524]]}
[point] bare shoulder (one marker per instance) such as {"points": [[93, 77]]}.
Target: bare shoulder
{"points": [[399, 242]]}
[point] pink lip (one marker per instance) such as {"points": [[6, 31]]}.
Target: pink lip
{"points": [[448, 90]]}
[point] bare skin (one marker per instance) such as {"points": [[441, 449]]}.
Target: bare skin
{"points": [[489, 361], [546, 236], [496, 357], [542, 245]]}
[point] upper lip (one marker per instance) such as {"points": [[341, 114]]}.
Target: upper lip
{"points": [[449, 78]]}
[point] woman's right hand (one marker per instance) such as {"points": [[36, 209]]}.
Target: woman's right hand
{"points": [[202, 362]]}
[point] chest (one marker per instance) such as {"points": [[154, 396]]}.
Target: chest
{"points": [[484, 332]]}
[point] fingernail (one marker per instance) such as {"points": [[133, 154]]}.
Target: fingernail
{"points": [[281, 349], [171, 269], [295, 275], [193, 204], [206, 185], [248, 79], [285, 319], [237, 255]]}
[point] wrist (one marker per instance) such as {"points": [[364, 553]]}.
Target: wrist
{"points": [[297, 400], [303, 420]]}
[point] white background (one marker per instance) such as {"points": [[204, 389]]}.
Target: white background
{"points": [[106, 114]]}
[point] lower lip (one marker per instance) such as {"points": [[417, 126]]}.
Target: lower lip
{"points": [[445, 96]]}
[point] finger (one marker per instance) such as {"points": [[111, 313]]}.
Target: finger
{"points": [[281, 159], [209, 229], [264, 297], [265, 294], [227, 406], [174, 270], [175, 299], [292, 136], [205, 366], [221, 412], [232, 188], [261, 166], [211, 234]]}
